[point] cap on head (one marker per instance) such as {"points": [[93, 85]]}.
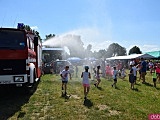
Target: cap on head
{"points": [[98, 67], [86, 67], [114, 67], [67, 67]]}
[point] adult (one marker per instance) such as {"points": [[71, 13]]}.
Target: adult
{"points": [[143, 69]]}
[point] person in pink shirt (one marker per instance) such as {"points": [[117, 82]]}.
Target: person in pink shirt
{"points": [[108, 72], [158, 71]]}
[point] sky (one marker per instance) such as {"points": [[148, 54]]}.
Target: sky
{"points": [[99, 22]]}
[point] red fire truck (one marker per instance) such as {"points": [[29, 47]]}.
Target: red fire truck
{"points": [[20, 57]]}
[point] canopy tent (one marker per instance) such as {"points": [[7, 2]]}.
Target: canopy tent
{"points": [[156, 54], [74, 59], [128, 57]]}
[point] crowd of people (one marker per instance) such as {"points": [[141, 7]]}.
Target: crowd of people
{"points": [[113, 70]]}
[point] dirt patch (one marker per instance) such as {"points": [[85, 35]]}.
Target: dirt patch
{"points": [[113, 112], [75, 97], [103, 107]]}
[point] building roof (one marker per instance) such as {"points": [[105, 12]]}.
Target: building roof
{"points": [[156, 54], [146, 56]]}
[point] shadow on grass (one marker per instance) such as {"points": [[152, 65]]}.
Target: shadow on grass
{"points": [[136, 89], [88, 103], [157, 88], [66, 97], [117, 88], [138, 84], [11, 100], [148, 84], [100, 88]]}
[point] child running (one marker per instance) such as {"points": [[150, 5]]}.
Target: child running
{"points": [[86, 75], [114, 76], [64, 75], [98, 76]]}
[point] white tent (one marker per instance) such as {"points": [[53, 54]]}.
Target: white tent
{"points": [[128, 57]]}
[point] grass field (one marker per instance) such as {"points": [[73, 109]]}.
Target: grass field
{"points": [[104, 103]]}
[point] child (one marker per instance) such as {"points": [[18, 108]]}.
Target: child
{"points": [[114, 76], [86, 75], [94, 73], [131, 78], [98, 76], [108, 72], [64, 75], [123, 73], [139, 69], [154, 76], [134, 73]]}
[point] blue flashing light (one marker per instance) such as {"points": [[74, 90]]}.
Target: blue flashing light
{"points": [[20, 26]]}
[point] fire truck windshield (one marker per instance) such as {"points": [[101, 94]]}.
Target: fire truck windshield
{"points": [[12, 39]]}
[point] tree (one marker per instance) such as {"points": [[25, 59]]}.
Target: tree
{"points": [[102, 53], [115, 49], [49, 36], [88, 52], [28, 28], [135, 50]]}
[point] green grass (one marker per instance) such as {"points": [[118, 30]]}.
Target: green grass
{"points": [[105, 102]]}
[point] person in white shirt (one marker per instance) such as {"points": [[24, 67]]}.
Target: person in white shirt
{"points": [[64, 75], [134, 72], [123, 73], [85, 77], [132, 62], [115, 72], [151, 66]]}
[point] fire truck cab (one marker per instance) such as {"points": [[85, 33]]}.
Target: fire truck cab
{"points": [[20, 57]]}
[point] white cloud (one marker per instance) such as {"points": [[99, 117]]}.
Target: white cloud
{"points": [[34, 28]]}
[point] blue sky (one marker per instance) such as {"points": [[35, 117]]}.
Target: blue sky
{"points": [[98, 22]]}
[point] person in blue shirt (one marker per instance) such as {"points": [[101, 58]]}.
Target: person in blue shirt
{"points": [[143, 69]]}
